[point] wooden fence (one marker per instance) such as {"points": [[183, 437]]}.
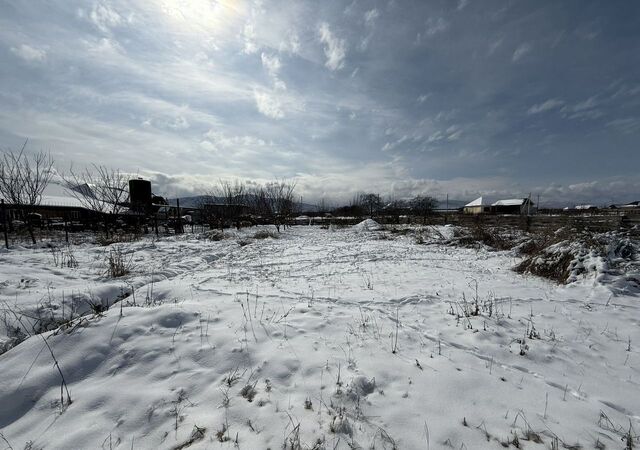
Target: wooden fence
{"points": [[589, 222]]}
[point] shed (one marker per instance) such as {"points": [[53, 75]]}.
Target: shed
{"points": [[513, 206], [479, 206]]}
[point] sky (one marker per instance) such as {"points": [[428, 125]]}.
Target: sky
{"points": [[400, 97]]}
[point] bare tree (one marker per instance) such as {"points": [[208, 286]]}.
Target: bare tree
{"points": [[371, 203], [353, 209], [396, 208], [234, 198], [100, 189], [259, 202], [231, 193], [281, 195], [423, 205], [274, 201], [226, 201], [23, 179]]}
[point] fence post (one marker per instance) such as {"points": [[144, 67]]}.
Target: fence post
{"points": [[178, 218], [4, 224], [66, 229]]}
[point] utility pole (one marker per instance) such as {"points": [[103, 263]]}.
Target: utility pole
{"points": [[447, 211]]}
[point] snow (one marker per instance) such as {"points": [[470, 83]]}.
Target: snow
{"points": [[52, 200], [55, 194], [510, 202], [271, 342], [477, 202], [368, 225]]}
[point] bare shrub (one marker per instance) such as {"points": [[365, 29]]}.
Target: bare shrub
{"points": [[118, 262], [214, 235], [64, 257], [117, 238], [554, 267], [197, 434], [249, 391], [562, 255], [494, 237], [265, 234]]}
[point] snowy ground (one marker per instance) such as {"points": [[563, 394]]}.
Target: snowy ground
{"points": [[320, 339]]}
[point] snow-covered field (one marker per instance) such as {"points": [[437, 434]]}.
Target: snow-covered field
{"points": [[332, 339]]}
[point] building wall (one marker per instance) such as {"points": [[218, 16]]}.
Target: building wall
{"points": [[50, 212], [477, 209]]}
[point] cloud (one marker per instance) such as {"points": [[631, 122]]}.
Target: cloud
{"points": [[29, 53], [232, 146], [334, 48], [124, 80], [454, 132], [105, 17], [268, 104], [589, 103], [548, 105], [603, 191], [628, 125], [433, 26], [249, 35], [493, 46], [589, 31], [462, 4], [371, 16], [586, 109], [178, 123], [291, 44], [271, 63], [521, 51]]}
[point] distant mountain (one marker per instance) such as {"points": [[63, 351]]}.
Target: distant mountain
{"points": [[188, 202]]}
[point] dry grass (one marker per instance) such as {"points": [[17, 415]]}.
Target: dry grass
{"points": [[118, 262], [265, 234]]}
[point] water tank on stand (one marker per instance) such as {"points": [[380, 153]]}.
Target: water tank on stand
{"points": [[140, 195]]}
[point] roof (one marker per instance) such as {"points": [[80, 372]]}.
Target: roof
{"points": [[510, 202], [55, 200], [477, 202], [57, 195]]}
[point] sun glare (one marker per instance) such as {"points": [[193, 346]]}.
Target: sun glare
{"points": [[217, 17]]}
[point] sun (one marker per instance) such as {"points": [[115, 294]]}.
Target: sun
{"points": [[211, 17]]}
